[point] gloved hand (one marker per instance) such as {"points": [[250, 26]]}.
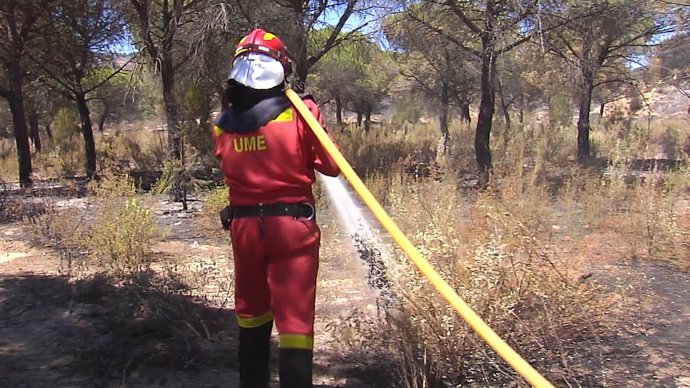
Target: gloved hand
{"points": [[226, 217]]}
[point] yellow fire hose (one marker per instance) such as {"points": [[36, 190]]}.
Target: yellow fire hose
{"points": [[465, 311]]}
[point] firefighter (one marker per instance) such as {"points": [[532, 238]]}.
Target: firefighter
{"points": [[268, 156]]}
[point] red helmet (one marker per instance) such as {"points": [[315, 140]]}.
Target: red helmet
{"points": [[260, 41]]}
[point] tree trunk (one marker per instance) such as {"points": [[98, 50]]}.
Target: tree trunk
{"points": [[443, 119], [367, 121], [168, 80], [301, 61], [205, 114], [583, 124], [465, 112], [486, 106], [299, 84], [15, 99], [224, 103], [359, 119], [34, 131], [464, 107], [339, 110], [87, 134], [602, 106], [504, 107], [103, 118], [49, 132]]}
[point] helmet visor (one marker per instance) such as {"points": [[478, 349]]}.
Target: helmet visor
{"points": [[257, 71]]}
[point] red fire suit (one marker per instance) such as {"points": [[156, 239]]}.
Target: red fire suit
{"points": [[276, 257]]}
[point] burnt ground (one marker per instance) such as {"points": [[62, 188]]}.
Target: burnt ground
{"points": [[62, 331]]}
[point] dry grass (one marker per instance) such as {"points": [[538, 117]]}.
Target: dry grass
{"points": [[494, 251], [384, 151], [135, 149], [508, 250], [142, 150], [8, 160]]}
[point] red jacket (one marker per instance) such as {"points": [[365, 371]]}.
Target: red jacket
{"points": [[274, 163]]}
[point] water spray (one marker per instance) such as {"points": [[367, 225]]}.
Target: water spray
{"points": [[370, 249]]}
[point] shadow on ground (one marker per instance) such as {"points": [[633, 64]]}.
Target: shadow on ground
{"points": [[134, 333], [97, 334]]}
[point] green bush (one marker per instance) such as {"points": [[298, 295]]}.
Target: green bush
{"points": [[560, 110], [65, 156], [65, 129], [407, 110], [216, 200], [119, 239]]}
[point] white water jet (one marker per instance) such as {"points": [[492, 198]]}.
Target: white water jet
{"points": [[370, 249]]}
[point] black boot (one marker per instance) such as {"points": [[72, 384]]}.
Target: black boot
{"points": [[255, 344], [296, 368]]}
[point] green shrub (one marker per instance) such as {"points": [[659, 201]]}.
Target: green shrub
{"points": [[215, 200], [560, 110], [65, 156], [118, 240], [407, 110], [65, 128]]}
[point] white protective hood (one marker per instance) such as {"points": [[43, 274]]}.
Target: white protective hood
{"points": [[257, 71]]}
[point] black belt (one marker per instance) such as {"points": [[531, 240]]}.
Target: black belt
{"points": [[297, 210]]}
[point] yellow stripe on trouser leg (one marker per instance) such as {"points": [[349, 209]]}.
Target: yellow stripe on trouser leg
{"points": [[249, 322], [296, 341]]}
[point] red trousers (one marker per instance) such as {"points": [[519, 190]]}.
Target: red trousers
{"points": [[276, 263]]}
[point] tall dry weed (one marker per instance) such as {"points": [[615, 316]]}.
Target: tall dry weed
{"points": [[495, 251], [8, 160], [381, 151], [137, 149], [650, 224]]}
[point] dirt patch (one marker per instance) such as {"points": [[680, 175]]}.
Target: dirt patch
{"points": [[12, 246]]}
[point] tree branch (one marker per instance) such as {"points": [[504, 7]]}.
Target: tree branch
{"points": [[108, 78], [52, 75], [443, 34], [461, 14]]}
